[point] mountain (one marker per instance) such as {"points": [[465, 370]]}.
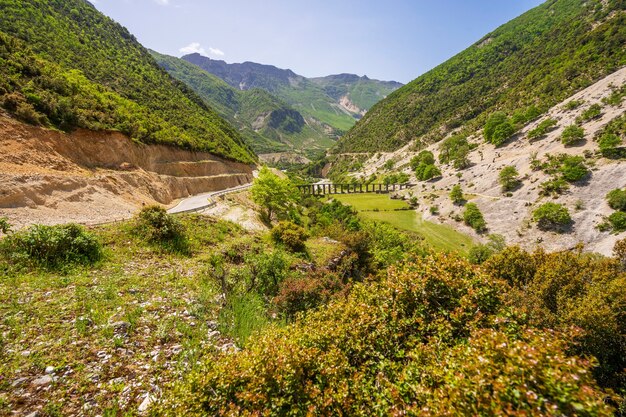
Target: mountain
{"points": [[63, 64], [336, 101], [267, 123], [537, 59]]}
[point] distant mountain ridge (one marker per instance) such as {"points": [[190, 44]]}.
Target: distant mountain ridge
{"points": [[267, 123], [336, 100]]}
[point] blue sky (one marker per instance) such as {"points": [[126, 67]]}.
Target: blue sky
{"points": [[383, 39]]}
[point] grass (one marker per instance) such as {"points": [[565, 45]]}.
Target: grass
{"points": [[137, 319], [437, 236]]}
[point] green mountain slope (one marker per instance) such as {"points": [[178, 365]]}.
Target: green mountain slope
{"points": [[317, 98], [266, 123], [537, 59], [362, 92], [64, 64]]}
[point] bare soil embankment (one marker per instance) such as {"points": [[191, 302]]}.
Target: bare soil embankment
{"points": [[51, 177]]}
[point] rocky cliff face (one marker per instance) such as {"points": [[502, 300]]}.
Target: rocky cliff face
{"points": [[90, 177]]}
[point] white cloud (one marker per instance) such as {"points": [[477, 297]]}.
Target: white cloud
{"points": [[163, 2], [196, 48], [216, 52]]}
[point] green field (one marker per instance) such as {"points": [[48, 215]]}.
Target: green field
{"points": [[438, 236]]}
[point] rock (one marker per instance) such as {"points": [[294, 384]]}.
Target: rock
{"points": [[25, 353], [33, 414], [143, 407], [121, 327], [212, 325], [49, 369], [42, 380], [18, 382]]}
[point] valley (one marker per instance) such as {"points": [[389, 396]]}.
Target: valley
{"points": [[165, 249]]}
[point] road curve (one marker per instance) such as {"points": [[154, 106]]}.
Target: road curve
{"points": [[202, 201]]}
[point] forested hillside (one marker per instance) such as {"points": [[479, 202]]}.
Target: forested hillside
{"points": [[537, 59], [65, 65], [266, 123]]}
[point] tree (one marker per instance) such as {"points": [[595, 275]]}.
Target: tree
{"points": [[551, 216], [456, 195], [424, 166], [455, 150], [498, 128], [509, 178], [572, 134], [474, 218], [276, 195]]}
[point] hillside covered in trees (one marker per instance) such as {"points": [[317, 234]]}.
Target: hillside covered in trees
{"points": [[267, 123], [65, 65], [537, 59]]}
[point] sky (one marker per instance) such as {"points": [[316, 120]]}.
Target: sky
{"points": [[383, 39]]}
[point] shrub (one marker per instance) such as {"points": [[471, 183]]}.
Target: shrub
{"points": [[424, 339], [157, 226], [594, 111], [542, 128], [609, 144], [480, 253], [456, 195], [474, 218], [572, 134], [305, 293], [573, 104], [575, 289], [618, 221], [5, 226], [508, 178], [291, 235], [617, 199], [551, 216], [573, 168], [53, 246], [553, 187], [268, 271]]}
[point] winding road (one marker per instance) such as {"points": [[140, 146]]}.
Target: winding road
{"points": [[202, 201]]}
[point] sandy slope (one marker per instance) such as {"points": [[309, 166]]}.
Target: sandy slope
{"points": [[89, 177], [510, 216]]}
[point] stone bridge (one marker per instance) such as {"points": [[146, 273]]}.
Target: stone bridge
{"points": [[327, 189]]}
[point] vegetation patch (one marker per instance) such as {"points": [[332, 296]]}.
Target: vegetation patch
{"points": [[552, 216]]}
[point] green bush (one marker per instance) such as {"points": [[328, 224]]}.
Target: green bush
{"points": [[618, 221], [509, 178], [291, 235], [573, 168], [617, 199], [542, 128], [474, 218], [5, 226], [478, 254], [594, 111], [456, 195], [157, 226], [551, 216], [573, 104], [427, 338], [609, 144], [572, 134], [52, 246]]}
